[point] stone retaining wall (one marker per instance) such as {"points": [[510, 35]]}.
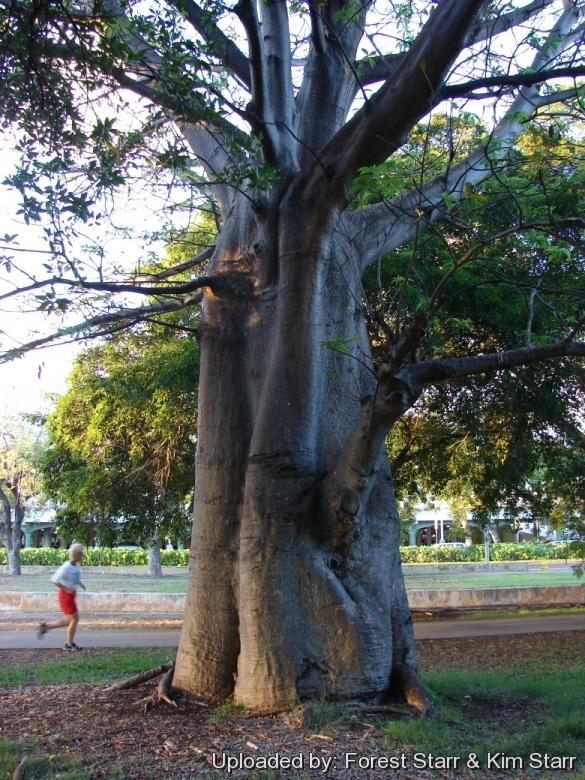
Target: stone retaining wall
{"points": [[481, 598], [174, 603], [409, 568]]}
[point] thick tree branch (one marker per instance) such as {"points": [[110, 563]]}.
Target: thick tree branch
{"points": [[77, 331], [231, 56], [436, 371], [453, 91], [208, 143], [318, 40], [259, 107], [183, 111], [279, 85], [345, 491], [330, 79], [562, 96], [381, 228], [504, 22], [375, 69], [377, 130], [210, 148]]}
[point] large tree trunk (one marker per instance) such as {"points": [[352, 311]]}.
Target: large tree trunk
{"points": [[284, 603], [12, 530], [467, 530], [13, 554], [154, 566], [494, 533]]}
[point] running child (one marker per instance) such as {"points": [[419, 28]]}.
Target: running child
{"points": [[67, 578]]}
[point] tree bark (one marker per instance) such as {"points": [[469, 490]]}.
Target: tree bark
{"points": [[139, 679], [12, 530], [494, 533], [154, 566], [468, 532], [288, 599]]}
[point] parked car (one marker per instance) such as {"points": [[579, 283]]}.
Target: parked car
{"points": [[460, 545]]}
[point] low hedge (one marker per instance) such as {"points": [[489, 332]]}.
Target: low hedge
{"points": [[524, 551], [105, 556], [97, 556], [440, 554]]}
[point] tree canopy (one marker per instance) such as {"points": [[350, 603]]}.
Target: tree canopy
{"points": [[21, 441], [497, 435], [119, 460], [213, 100], [121, 442]]}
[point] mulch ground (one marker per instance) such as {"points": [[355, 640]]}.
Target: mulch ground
{"points": [[105, 730]]}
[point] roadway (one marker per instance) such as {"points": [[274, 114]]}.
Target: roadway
{"points": [[162, 637]]}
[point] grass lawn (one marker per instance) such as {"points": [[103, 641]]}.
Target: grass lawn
{"points": [[512, 579], [514, 696], [100, 583], [110, 583], [529, 714], [90, 666]]}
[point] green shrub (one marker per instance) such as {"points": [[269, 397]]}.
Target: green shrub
{"points": [[440, 554], [117, 556], [42, 556], [174, 557], [96, 556], [525, 551]]}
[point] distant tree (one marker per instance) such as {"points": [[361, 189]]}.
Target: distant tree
{"points": [[121, 441], [20, 484], [491, 445]]}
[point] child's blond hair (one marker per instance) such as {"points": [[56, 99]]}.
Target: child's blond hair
{"points": [[75, 549]]}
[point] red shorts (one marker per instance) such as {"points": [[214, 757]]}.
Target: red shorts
{"points": [[67, 603]]}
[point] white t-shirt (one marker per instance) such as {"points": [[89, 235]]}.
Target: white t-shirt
{"points": [[67, 575]]}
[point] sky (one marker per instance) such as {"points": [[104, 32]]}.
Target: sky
{"points": [[26, 382]]}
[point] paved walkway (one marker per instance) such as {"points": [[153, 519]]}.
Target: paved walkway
{"points": [[436, 629]]}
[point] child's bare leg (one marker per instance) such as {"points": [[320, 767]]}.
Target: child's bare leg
{"points": [[58, 624], [71, 628]]}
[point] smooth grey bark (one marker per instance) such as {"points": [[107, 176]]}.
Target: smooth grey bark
{"points": [[154, 566], [494, 533], [296, 588], [285, 601], [468, 532], [12, 528]]}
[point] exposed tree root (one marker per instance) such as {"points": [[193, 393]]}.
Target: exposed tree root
{"points": [[405, 685], [163, 691], [19, 771], [263, 714], [143, 677], [165, 694]]}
